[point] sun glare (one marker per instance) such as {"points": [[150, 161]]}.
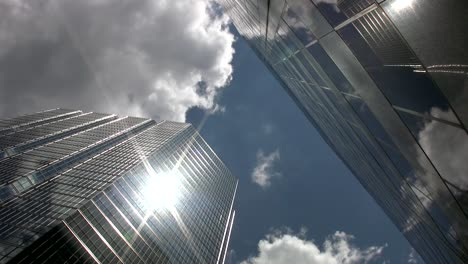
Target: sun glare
{"points": [[399, 5], [162, 191]]}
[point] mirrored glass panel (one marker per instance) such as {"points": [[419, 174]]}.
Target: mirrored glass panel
{"points": [[392, 65], [305, 20], [289, 40], [296, 23], [339, 11], [330, 68], [445, 145], [368, 118], [436, 31]]}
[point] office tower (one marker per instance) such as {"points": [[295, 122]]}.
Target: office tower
{"points": [[96, 188], [385, 83]]}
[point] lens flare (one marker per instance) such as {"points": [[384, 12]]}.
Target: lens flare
{"points": [[162, 190], [399, 5]]}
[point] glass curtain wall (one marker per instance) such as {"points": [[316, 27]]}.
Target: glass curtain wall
{"points": [[385, 83], [112, 190]]}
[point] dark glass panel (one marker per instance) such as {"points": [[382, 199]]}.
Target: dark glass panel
{"points": [[460, 195], [436, 31], [341, 105], [275, 8], [403, 165], [368, 118], [330, 68], [311, 70], [277, 54], [392, 65]]}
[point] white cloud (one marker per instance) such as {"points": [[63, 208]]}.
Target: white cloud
{"points": [[152, 58], [287, 248], [264, 168]]}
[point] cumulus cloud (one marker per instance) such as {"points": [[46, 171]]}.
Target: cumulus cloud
{"points": [[264, 169], [286, 248], [151, 58]]}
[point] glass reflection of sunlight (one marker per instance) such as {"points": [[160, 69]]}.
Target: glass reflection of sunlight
{"points": [[162, 190], [399, 5]]}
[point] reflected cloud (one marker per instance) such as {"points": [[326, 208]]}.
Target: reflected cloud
{"points": [[296, 14], [447, 147]]}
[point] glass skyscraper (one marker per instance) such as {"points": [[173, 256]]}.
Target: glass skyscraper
{"points": [[386, 84], [96, 188]]}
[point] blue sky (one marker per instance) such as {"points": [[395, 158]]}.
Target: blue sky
{"points": [[311, 188]]}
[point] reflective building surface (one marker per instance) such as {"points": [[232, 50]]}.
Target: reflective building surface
{"points": [[386, 84], [81, 187]]}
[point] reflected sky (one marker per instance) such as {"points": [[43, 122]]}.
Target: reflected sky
{"points": [[447, 147]]}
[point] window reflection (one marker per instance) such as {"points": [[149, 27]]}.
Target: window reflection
{"points": [[330, 68], [287, 39], [460, 194], [275, 8], [368, 118], [392, 65], [436, 31], [310, 17], [298, 27], [445, 145], [337, 11]]}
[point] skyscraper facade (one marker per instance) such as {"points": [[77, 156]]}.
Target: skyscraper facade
{"points": [[81, 187], [385, 83]]}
